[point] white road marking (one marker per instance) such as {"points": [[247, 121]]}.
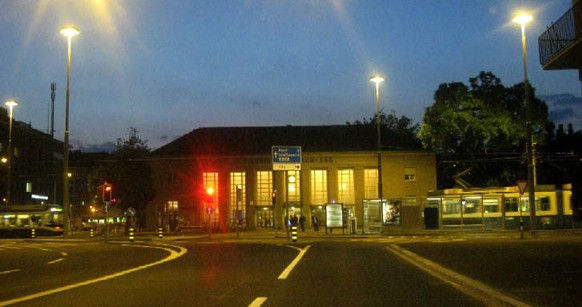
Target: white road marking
{"points": [[471, 287], [173, 255], [58, 260], [295, 261], [258, 301], [9, 271]]}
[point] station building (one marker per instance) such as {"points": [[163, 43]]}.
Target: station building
{"points": [[224, 178]]}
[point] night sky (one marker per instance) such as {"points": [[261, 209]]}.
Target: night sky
{"points": [[167, 67]]}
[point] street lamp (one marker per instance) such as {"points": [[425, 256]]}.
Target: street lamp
{"points": [[377, 80], [11, 103], [522, 19], [69, 32]]}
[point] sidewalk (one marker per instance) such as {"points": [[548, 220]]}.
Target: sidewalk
{"points": [[281, 235]]}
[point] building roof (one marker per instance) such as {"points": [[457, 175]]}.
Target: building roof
{"points": [[259, 140]]}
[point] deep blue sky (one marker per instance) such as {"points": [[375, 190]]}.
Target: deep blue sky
{"points": [[167, 67]]}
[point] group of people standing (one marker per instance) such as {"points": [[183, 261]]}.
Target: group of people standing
{"points": [[300, 221]]}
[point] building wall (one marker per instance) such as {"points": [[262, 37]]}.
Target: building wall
{"points": [[180, 180]]}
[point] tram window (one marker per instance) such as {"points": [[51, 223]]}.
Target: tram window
{"points": [[511, 204], [471, 205], [451, 206], [545, 204], [491, 205]]}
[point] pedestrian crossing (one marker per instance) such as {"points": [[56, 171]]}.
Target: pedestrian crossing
{"points": [[7, 245]]}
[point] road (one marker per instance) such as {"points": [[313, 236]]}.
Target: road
{"points": [[367, 272]]}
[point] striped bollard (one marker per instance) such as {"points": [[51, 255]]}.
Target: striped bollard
{"points": [[131, 234], [33, 232], [91, 232], [294, 233], [161, 233]]}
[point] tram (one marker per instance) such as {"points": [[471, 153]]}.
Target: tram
{"points": [[503, 208], [25, 221]]}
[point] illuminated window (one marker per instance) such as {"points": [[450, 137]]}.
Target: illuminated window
{"points": [[172, 206], [294, 186], [264, 188], [370, 183], [491, 205], [318, 187], [410, 173], [346, 194], [210, 186], [237, 196], [451, 206]]}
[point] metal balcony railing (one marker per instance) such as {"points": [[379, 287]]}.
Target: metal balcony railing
{"points": [[561, 34]]}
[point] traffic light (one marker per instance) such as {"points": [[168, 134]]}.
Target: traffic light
{"points": [[209, 195], [107, 192]]}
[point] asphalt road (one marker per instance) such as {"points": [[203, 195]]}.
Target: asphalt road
{"points": [[398, 271]]}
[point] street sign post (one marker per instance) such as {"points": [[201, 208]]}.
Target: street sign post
{"points": [[522, 186], [286, 158]]}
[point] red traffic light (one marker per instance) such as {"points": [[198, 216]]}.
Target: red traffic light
{"points": [[209, 191], [106, 192]]}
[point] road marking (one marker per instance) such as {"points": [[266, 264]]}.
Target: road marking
{"points": [[173, 255], [295, 261], [9, 271], [258, 301], [55, 261], [471, 287], [58, 260]]}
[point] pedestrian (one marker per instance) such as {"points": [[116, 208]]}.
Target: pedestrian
{"points": [[294, 220], [315, 222], [302, 222]]}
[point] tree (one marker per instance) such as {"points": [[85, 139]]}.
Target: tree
{"points": [[481, 127], [129, 173], [396, 132]]}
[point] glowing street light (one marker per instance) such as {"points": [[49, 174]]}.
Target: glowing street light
{"points": [[377, 80], [522, 19], [11, 103], [69, 32]]}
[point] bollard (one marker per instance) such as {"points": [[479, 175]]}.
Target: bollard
{"points": [[91, 233], [33, 232], [161, 233], [294, 233], [131, 234]]}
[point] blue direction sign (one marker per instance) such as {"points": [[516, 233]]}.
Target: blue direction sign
{"points": [[286, 158]]}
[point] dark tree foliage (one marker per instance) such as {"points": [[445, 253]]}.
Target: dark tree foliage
{"points": [[481, 127], [396, 132], [128, 171]]}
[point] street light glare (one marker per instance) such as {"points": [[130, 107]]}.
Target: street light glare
{"points": [[69, 31], [377, 79], [522, 18], [11, 103]]}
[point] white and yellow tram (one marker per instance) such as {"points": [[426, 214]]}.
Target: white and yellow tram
{"points": [[502, 208], [24, 221]]}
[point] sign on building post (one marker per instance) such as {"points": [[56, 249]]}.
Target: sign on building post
{"points": [[286, 158]]}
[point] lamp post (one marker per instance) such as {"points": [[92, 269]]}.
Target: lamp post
{"points": [[69, 32], [11, 103], [523, 19], [377, 80]]}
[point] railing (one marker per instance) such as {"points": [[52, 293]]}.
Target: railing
{"points": [[561, 34]]}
